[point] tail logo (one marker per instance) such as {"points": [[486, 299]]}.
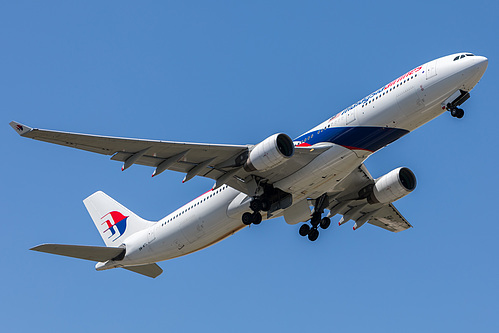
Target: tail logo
{"points": [[115, 223]]}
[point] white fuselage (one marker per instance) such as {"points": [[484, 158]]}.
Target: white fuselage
{"points": [[353, 135]]}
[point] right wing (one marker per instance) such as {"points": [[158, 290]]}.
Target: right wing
{"points": [[215, 161]]}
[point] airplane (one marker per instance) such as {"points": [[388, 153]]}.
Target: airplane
{"points": [[320, 170]]}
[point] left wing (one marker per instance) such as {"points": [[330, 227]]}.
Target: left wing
{"points": [[220, 162], [92, 253]]}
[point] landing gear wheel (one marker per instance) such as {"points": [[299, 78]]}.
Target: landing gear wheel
{"points": [[313, 234], [457, 112], [304, 230], [325, 222], [256, 205], [247, 218], [257, 218]]}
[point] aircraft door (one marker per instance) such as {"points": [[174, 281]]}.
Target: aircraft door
{"points": [[350, 116], [431, 69]]}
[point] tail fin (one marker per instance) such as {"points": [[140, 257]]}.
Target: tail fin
{"points": [[114, 221]]}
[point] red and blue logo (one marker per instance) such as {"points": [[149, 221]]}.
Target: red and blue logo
{"points": [[116, 224]]}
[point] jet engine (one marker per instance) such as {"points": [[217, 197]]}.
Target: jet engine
{"points": [[393, 186], [270, 153]]}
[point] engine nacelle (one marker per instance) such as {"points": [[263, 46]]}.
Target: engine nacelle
{"points": [[270, 153], [393, 186]]}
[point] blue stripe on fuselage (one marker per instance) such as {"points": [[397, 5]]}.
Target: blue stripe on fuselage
{"points": [[365, 138]]}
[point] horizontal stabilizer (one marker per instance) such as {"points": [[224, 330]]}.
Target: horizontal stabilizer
{"points": [[151, 270], [93, 253], [20, 128]]}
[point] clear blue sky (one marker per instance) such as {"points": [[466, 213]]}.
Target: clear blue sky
{"points": [[233, 72]]}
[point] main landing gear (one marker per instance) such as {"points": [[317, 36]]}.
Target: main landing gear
{"points": [[269, 201], [249, 218], [312, 230], [256, 205]]}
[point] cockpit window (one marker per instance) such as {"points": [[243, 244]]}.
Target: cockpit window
{"points": [[464, 55]]}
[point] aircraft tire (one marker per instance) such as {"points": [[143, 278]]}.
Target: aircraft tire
{"points": [[304, 230], [313, 234], [247, 218], [257, 218], [325, 222], [256, 205]]}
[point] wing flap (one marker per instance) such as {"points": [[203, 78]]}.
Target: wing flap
{"points": [[389, 218], [93, 253], [150, 270]]}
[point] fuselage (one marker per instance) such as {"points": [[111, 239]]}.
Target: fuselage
{"points": [[352, 135]]}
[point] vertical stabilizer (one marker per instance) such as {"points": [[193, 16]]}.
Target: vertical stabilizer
{"points": [[114, 221]]}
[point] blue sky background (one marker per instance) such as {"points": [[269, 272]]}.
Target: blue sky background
{"points": [[234, 72]]}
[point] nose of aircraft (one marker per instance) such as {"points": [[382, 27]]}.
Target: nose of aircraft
{"points": [[481, 64], [473, 71]]}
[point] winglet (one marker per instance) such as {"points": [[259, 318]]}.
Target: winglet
{"points": [[20, 128]]}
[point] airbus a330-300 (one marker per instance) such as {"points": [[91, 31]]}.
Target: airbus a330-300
{"points": [[306, 180]]}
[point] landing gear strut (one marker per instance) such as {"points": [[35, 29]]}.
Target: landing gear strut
{"points": [[452, 106], [316, 221]]}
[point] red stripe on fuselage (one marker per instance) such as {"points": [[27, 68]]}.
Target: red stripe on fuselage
{"points": [[357, 148]]}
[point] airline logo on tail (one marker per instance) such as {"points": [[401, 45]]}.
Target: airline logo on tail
{"points": [[116, 224]]}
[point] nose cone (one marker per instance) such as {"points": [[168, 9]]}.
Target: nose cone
{"points": [[481, 64], [473, 69]]}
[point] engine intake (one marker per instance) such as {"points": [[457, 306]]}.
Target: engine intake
{"points": [[393, 186], [270, 153]]}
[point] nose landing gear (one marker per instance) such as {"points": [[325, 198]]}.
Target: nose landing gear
{"points": [[455, 111], [455, 100]]}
